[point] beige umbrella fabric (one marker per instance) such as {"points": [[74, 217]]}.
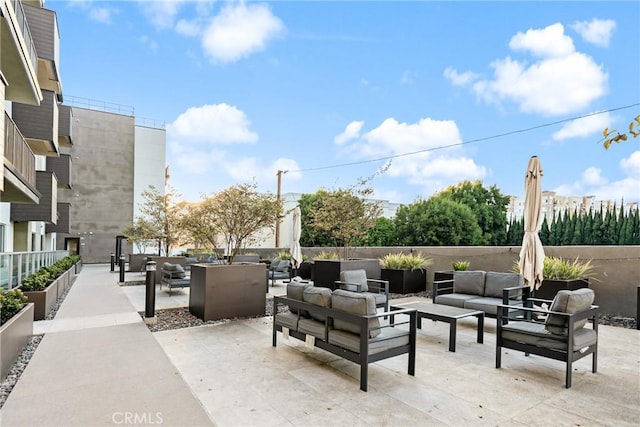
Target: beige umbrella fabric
{"points": [[296, 250], [532, 255]]}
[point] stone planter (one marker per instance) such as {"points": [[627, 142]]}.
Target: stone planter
{"points": [[327, 271], [550, 288], [402, 281], [44, 300], [14, 336], [227, 291], [135, 261]]}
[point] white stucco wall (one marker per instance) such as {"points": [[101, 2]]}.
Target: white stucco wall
{"points": [[149, 162]]}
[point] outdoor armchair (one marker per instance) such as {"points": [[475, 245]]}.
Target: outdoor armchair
{"points": [[559, 333], [279, 269], [357, 281]]}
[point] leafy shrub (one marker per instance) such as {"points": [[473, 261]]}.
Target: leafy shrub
{"points": [[41, 278], [11, 302], [556, 268], [460, 265], [284, 255], [410, 261]]}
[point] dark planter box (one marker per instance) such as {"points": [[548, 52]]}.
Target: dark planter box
{"points": [[405, 281], [327, 271], [227, 291], [14, 336], [305, 270], [43, 300], [550, 288]]}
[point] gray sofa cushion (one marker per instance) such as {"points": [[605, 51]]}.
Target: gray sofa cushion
{"points": [[538, 335], [389, 338], [177, 271], [355, 303], [288, 320], [317, 296], [359, 277], [455, 300], [486, 304], [469, 282], [295, 291], [312, 327], [496, 282], [568, 302]]}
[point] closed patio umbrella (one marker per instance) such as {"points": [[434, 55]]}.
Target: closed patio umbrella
{"points": [[532, 255], [296, 250]]}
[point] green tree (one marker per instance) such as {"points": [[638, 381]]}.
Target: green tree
{"points": [[309, 235], [162, 214], [438, 221], [487, 204], [140, 234], [382, 234], [236, 216]]}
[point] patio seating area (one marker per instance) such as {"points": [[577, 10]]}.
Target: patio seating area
{"points": [[98, 363]]}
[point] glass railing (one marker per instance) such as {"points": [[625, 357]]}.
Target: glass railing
{"points": [[15, 266]]}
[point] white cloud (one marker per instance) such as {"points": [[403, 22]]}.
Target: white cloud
{"points": [[352, 131], [585, 126], [212, 124], [407, 78], [560, 81], [631, 165], [240, 30], [145, 40], [188, 28], [460, 79], [101, 14], [596, 31], [162, 14], [546, 42]]}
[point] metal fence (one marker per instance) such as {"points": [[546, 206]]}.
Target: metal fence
{"points": [[15, 266]]}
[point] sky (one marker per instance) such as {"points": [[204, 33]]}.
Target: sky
{"points": [[416, 96]]}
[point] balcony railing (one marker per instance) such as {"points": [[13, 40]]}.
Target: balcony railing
{"points": [[16, 266], [26, 33], [17, 152]]}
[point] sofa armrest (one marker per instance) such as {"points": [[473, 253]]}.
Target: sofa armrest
{"points": [[348, 286], [380, 286], [441, 287]]}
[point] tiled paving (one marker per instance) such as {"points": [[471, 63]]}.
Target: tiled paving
{"points": [[105, 364]]}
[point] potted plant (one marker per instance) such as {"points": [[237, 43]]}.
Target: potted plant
{"points": [[559, 274], [16, 327], [236, 216], [406, 273], [459, 265]]}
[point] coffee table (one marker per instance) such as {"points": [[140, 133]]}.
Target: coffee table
{"points": [[444, 313]]}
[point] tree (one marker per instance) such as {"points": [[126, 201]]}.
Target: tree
{"points": [[310, 236], [162, 214], [610, 136], [140, 234], [438, 221], [487, 204], [345, 214], [237, 214], [382, 234]]}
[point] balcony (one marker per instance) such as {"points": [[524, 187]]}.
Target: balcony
{"points": [[43, 25], [18, 55], [39, 124], [61, 166], [62, 225], [65, 125], [47, 208], [19, 167]]}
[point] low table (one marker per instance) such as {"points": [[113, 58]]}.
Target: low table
{"points": [[444, 313]]}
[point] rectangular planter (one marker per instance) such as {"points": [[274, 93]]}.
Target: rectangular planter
{"points": [[14, 336], [327, 271], [227, 291], [78, 266], [43, 300], [550, 288], [405, 281]]}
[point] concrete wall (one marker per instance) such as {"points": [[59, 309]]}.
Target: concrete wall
{"points": [[103, 179], [149, 162]]}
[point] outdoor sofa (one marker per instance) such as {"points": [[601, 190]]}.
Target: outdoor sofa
{"points": [[174, 276], [346, 324], [479, 290]]}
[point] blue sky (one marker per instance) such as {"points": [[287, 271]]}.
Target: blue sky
{"points": [[249, 88]]}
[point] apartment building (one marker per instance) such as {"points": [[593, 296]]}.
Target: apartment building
{"points": [[72, 176]]}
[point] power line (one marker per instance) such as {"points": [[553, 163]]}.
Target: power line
{"points": [[486, 138]]}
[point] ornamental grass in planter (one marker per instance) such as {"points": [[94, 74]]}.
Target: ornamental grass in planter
{"points": [[406, 273], [560, 273]]}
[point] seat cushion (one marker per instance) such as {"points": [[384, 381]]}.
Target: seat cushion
{"points": [[494, 283], [359, 277], [295, 291], [538, 335], [312, 327], [455, 300], [468, 282], [288, 320], [569, 302], [486, 304], [389, 338], [357, 303], [319, 296]]}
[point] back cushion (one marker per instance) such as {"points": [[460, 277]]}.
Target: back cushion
{"points": [[295, 291], [359, 277], [319, 296], [178, 271], [496, 282], [468, 282], [168, 266], [355, 303], [283, 265], [568, 302]]}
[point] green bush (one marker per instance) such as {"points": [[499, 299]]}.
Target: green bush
{"points": [[41, 278], [460, 265], [11, 302], [411, 261]]}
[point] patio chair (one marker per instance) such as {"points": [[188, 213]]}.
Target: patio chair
{"points": [[558, 333], [357, 281], [279, 269]]}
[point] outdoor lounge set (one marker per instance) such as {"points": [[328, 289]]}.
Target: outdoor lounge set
{"points": [[347, 323]]}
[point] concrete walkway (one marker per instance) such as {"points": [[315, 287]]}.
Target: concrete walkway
{"points": [[98, 364]]}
